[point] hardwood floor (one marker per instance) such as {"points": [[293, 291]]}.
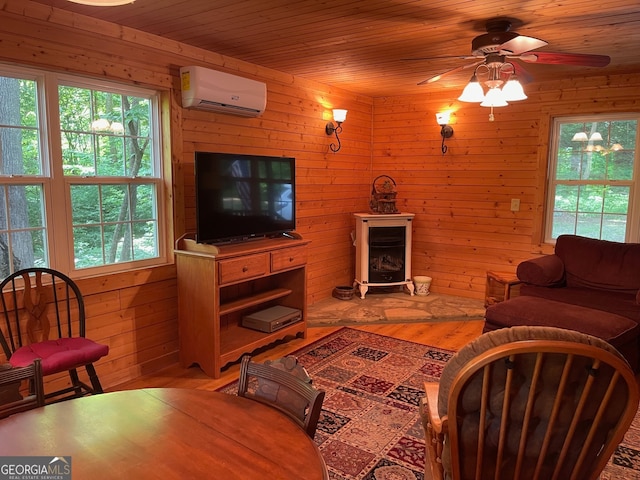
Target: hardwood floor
{"points": [[448, 335]]}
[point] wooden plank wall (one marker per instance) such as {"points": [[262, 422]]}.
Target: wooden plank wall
{"points": [[463, 224], [135, 313]]}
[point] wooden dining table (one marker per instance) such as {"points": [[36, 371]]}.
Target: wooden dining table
{"points": [[166, 433]]}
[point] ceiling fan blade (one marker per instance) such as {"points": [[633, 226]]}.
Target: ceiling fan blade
{"points": [[450, 72], [580, 59], [523, 75], [446, 57], [520, 44]]}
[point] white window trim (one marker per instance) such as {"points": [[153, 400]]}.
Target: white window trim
{"points": [[59, 212], [633, 218]]}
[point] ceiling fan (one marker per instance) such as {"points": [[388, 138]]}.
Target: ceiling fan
{"points": [[493, 53]]}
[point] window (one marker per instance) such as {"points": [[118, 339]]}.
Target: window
{"points": [[80, 174], [593, 178]]}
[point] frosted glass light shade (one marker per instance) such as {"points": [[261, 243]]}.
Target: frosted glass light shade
{"points": [[117, 127], [102, 3], [100, 125], [472, 92], [580, 137], [443, 118], [512, 91], [339, 115], [494, 98], [595, 137]]}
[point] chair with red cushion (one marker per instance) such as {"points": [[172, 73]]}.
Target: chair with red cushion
{"points": [[44, 317]]}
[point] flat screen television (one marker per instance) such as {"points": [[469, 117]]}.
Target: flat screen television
{"points": [[242, 197]]}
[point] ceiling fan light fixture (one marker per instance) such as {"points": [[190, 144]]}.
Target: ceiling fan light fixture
{"points": [[595, 137], [472, 92], [103, 3], [513, 90], [494, 98], [580, 137]]}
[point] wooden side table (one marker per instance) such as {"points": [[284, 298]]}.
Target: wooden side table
{"points": [[501, 286]]}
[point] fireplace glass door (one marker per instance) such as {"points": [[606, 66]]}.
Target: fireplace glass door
{"points": [[386, 254]]}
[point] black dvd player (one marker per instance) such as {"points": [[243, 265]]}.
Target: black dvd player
{"points": [[272, 319]]}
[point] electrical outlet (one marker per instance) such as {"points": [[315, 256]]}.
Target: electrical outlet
{"points": [[515, 204]]}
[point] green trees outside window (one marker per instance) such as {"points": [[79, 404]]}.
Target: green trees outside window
{"points": [[79, 187], [592, 176]]}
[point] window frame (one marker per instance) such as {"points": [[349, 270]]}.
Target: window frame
{"points": [[56, 187], [632, 234]]}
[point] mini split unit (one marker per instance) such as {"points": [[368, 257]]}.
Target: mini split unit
{"points": [[206, 89]]}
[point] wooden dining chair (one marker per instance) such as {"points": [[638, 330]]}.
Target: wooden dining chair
{"points": [[11, 389], [283, 384], [528, 403], [43, 317]]}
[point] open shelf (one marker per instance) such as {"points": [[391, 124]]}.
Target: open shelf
{"points": [[216, 286], [252, 301]]}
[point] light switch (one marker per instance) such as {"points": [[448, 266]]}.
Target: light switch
{"points": [[515, 204]]}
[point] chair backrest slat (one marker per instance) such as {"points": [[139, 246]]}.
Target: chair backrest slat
{"points": [[577, 415], [504, 418], [528, 415], [545, 409], [602, 408], [483, 415]]}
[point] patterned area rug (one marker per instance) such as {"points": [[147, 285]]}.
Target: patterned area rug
{"points": [[396, 307], [370, 427]]}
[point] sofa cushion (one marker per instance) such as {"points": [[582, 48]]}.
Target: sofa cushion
{"points": [[600, 264], [545, 271], [620, 303], [619, 331]]}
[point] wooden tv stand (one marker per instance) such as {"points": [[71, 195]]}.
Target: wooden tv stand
{"points": [[218, 285]]}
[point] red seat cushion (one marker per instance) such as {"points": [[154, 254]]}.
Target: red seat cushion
{"points": [[59, 355]]}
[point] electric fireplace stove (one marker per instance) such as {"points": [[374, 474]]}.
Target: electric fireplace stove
{"points": [[383, 251]]}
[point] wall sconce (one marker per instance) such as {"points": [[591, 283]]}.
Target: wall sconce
{"points": [[447, 130], [339, 116]]}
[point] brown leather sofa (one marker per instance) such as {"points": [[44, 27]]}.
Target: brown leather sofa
{"points": [[588, 285]]}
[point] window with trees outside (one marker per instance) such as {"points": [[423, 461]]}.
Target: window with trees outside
{"points": [[80, 174], [593, 178]]}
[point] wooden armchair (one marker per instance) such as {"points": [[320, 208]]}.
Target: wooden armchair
{"points": [[283, 384], [528, 403]]}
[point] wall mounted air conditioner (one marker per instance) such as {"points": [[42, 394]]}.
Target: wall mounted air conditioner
{"points": [[215, 91]]}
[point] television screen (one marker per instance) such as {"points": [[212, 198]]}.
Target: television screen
{"points": [[239, 197]]}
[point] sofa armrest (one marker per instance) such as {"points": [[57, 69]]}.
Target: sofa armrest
{"points": [[546, 271]]}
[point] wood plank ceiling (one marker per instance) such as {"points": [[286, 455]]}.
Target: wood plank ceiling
{"points": [[362, 45]]}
